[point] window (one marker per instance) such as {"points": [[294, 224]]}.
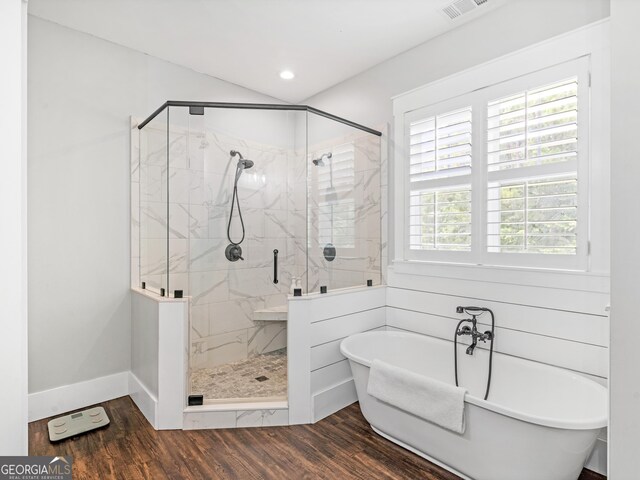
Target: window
{"points": [[499, 176]]}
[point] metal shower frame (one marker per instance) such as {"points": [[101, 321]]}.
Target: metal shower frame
{"points": [[197, 108]]}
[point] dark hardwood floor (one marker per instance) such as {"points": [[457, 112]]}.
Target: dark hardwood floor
{"points": [[342, 446]]}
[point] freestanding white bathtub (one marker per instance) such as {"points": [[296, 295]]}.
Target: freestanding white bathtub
{"points": [[539, 422]]}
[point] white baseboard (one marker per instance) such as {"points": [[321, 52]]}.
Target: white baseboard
{"points": [[63, 399], [597, 461], [144, 400], [333, 399]]}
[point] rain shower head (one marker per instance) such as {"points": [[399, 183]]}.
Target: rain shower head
{"points": [[319, 162]]}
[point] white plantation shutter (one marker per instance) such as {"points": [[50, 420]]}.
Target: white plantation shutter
{"points": [[536, 216], [532, 150], [440, 146], [440, 153], [441, 219], [535, 127]]}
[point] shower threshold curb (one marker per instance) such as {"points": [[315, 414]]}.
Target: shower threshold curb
{"points": [[235, 406]]}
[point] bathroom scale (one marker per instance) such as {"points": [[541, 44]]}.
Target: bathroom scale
{"points": [[77, 423]]}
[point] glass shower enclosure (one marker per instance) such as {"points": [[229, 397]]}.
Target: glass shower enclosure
{"points": [[241, 206]]}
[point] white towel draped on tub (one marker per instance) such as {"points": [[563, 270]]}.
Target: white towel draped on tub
{"points": [[435, 401]]}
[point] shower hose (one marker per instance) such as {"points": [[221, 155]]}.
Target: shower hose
{"points": [[235, 200]]}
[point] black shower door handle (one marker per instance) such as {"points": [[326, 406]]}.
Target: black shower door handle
{"points": [[275, 265]]}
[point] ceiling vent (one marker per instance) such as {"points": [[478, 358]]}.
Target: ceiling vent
{"points": [[460, 7]]}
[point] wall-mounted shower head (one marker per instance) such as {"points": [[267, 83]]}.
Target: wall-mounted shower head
{"points": [[246, 163], [319, 162], [243, 163]]}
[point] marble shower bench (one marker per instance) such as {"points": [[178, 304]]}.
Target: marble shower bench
{"points": [[272, 314]]}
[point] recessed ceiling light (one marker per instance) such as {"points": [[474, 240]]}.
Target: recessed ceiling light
{"points": [[286, 75]]}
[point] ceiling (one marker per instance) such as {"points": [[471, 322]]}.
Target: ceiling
{"points": [[248, 42]]}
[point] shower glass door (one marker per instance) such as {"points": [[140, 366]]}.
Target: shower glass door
{"points": [[153, 271], [344, 205], [239, 266]]}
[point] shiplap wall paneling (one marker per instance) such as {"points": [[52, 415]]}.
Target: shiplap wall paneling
{"points": [[320, 381], [567, 339], [552, 297]]}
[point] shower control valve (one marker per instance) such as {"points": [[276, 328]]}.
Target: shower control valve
{"points": [[233, 252]]}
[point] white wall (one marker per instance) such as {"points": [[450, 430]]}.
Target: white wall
{"points": [[13, 281], [624, 429], [82, 91]]}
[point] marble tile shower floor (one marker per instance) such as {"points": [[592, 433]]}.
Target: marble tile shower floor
{"points": [[244, 379]]}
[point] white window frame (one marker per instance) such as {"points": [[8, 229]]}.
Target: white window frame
{"points": [[588, 44], [479, 177]]}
